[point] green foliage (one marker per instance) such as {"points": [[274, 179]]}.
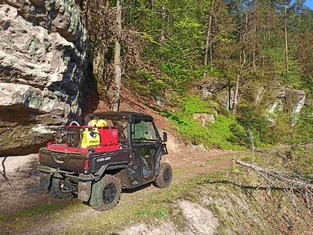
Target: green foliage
{"points": [[229, 130], [254, 120], [151, 83], [225, 133], [281, 130], [247, 43], [193, 104], [149, 212], [174, 32], [302, 131], [303, 163]]}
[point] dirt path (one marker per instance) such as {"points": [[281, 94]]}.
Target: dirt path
{"points": [[21, 192]]}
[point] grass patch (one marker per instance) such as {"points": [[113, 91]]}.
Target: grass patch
{"points": [[148, 210]]}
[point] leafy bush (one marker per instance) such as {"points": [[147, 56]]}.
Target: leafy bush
{"points": [[303, 131], [193, 104], [304, 164], [151, 83], [254, 121]]}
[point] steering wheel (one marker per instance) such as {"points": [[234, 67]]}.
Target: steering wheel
{"points": [[74, 122]]}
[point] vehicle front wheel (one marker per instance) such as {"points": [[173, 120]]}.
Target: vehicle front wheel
{"points": [[60, 188], [105, 193], [164, 177]]}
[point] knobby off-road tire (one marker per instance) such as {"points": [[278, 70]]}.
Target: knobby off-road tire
{"points": [[55, 187], [164, 177], [105, 193]]}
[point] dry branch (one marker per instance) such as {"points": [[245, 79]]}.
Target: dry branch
{"points": [[290, 182]]}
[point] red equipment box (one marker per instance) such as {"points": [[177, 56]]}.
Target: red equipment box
{"points": [[65, 148], [108, 141], [108, 136]]}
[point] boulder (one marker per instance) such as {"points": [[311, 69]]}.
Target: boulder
{"points": [[204, 118], [43, 58]]}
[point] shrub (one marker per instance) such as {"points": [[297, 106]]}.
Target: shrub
{"points": [[193, 104]]}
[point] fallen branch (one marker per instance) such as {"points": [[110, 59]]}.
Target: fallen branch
{"points": [[292, 183], [295, 180]]}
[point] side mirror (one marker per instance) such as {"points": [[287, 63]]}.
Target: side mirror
{"points": [[164, 136]]}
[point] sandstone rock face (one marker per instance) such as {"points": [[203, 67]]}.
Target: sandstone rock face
{"points": [[43, 48], [290, 101]]}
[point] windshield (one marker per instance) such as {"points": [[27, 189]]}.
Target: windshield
{"points": [[143, 132]]}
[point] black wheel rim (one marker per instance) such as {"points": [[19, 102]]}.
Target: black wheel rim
{"points": [[109, 193], [167, 176]]}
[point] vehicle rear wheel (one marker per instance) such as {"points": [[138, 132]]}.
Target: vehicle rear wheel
{"points": [[59, 186], [105, 193], [164, 177]]}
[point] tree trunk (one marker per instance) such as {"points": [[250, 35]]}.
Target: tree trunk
{"points": [[242, 62], [229, 96], [162, 36], [254, 45], [208, 38], [235, 105], [286, 43], [3, 173], [117, 59]]}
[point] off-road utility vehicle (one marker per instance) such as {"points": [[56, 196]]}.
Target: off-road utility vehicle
{"points": [[113, 151]]}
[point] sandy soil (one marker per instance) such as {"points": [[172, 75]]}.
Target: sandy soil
{"points": [[22, 190]]}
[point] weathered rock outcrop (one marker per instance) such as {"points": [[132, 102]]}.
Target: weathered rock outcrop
{"points": [[43, 48], [274, 96], [290, 101]]}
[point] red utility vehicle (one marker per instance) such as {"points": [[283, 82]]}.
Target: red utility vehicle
{"points": [[113, 151]]}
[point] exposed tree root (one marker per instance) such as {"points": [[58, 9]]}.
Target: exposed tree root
{"points": [[3, 173]]}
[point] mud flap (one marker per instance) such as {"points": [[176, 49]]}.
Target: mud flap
{"points": [[84, 188], [44, 181]]}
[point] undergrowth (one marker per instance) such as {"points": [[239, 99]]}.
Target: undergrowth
{"points": [[226, 133]]}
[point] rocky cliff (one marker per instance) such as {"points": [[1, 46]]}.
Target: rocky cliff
{"points": [[43, 48]]}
